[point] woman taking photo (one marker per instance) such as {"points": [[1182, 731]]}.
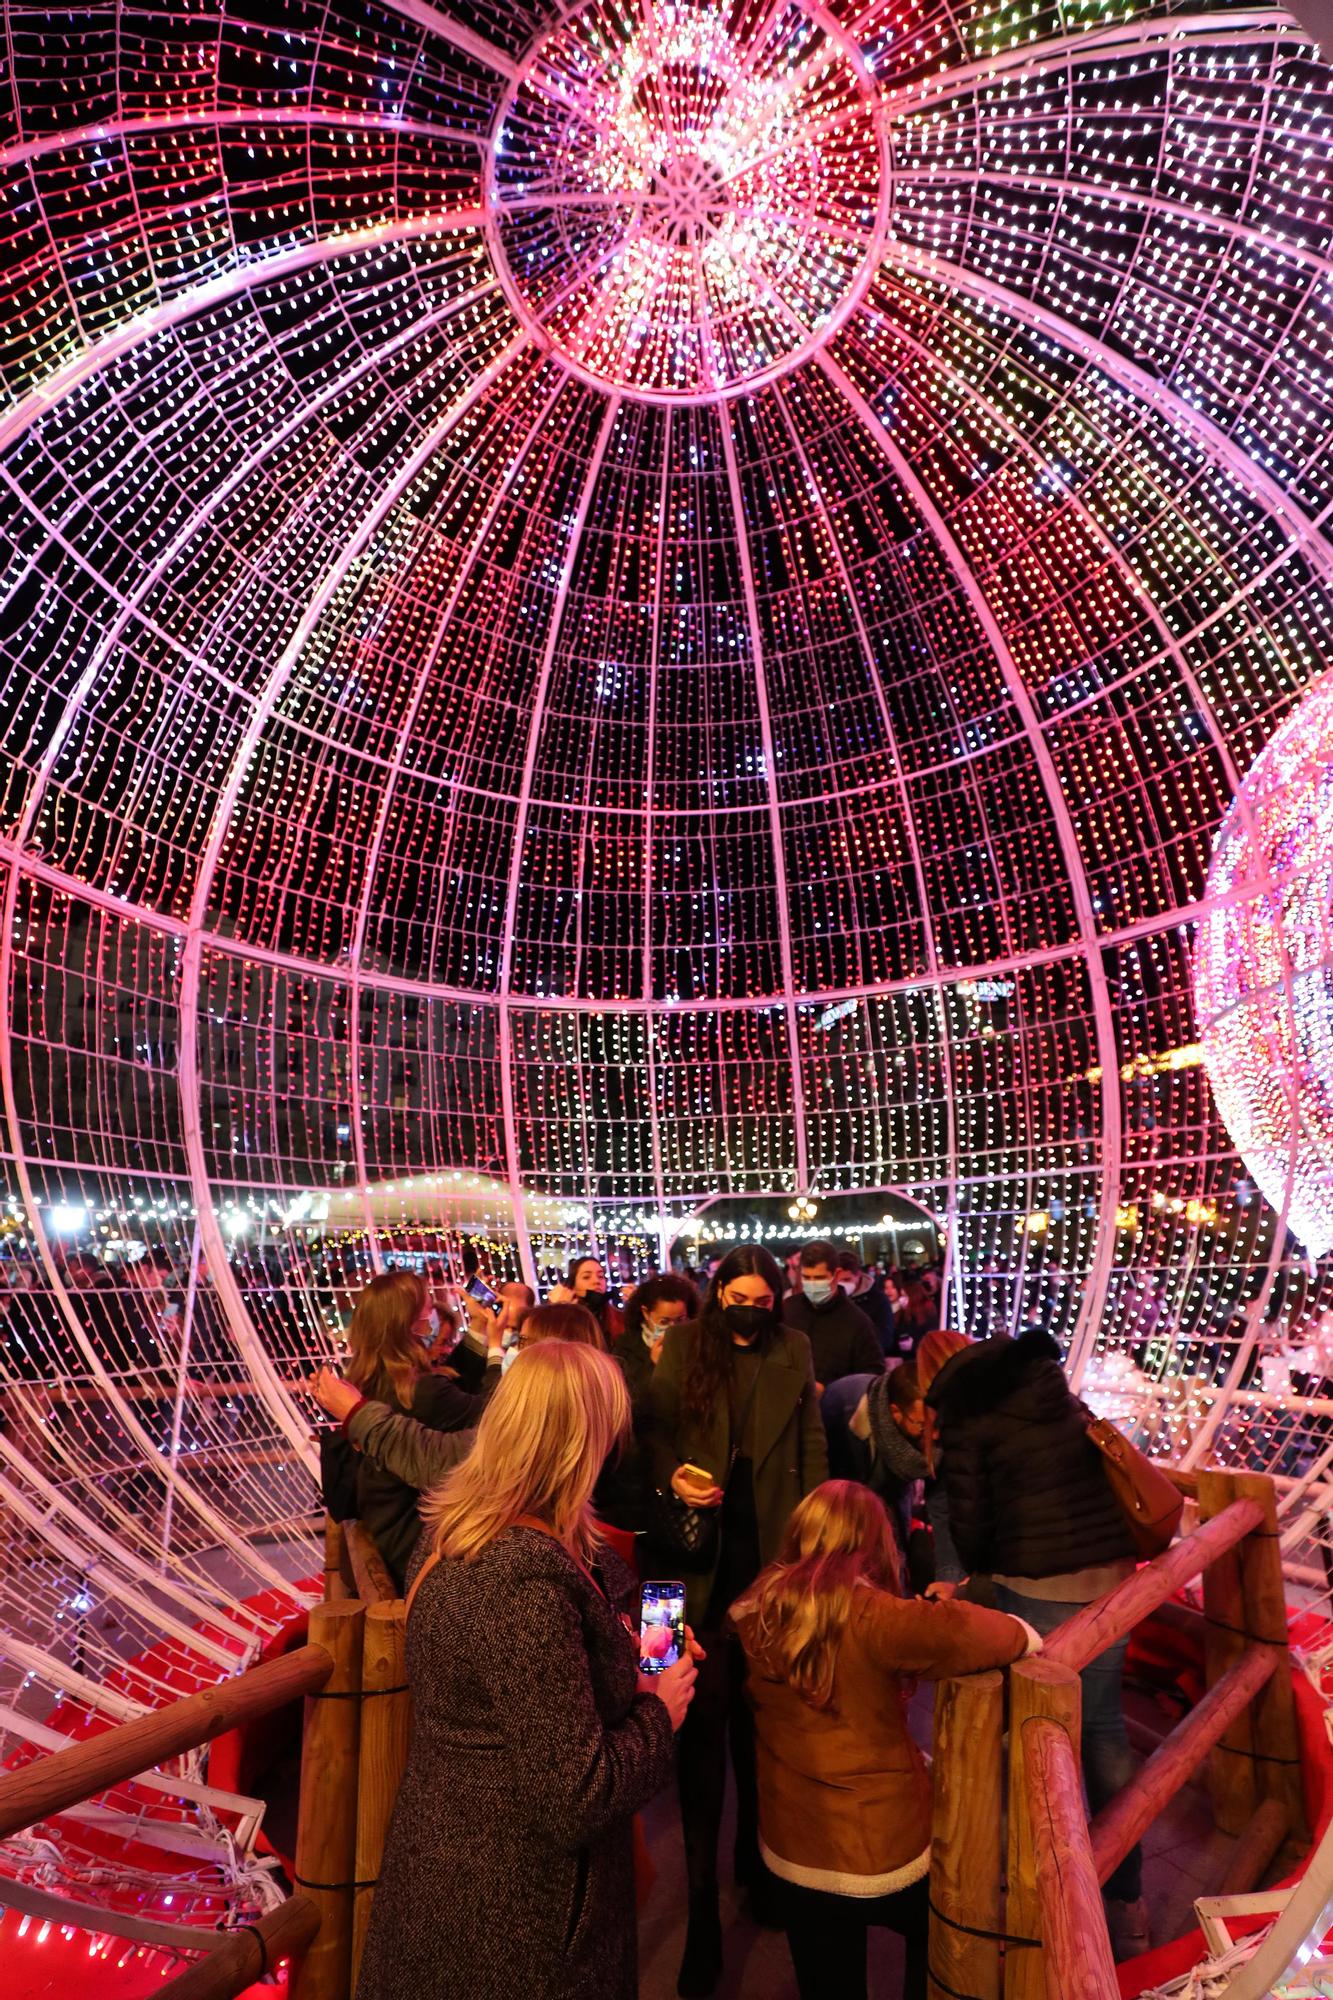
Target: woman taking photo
{"points": [[392, 1327], [734, 1426], [509, 1862], [585, 1285], [844, 1793]]}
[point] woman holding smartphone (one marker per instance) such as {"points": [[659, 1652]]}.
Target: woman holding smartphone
{"points": [[388, 1341], [535, 1737], [734, 1425]]}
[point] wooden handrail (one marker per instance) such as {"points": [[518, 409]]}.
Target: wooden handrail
{"points": [[1089, 1632], [246, 1954], [374, 1585], [1079, 1965], [67, 1777], [1131, 1812]]}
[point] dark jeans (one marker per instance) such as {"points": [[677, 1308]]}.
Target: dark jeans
{"points": [[1108, 1762], [719, 1711], [827, 1936]]}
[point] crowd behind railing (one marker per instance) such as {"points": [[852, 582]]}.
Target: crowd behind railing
{"points": [[635, 1565]]}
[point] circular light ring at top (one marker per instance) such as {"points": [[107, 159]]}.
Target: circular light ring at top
{"points": [[683, 205], [1263, 970]]}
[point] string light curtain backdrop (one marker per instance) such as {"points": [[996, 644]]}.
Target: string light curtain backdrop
{"points": [[609, 606]]}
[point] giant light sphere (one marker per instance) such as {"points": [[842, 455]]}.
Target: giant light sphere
{"points": [[1263, 970]]}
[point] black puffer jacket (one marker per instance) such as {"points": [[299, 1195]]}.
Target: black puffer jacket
{"points": [[1027, 1493]]}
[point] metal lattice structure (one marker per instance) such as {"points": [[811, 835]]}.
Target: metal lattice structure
{"points": [[606, 607]]}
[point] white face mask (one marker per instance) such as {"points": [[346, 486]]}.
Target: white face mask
{"points": [[432, 1328], [511, 1354]]}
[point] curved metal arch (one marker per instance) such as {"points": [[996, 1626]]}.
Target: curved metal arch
{"points": [[131, 606], [505, 996], [243, 1329], [934, 975], [1113, 195], [1210, 438], [362, 918], [745, 560], [220, 119], [1092, 949], [466, 40], [1059, 52], [234, 283]]}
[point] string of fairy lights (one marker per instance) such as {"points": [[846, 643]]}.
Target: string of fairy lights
{"points": [[616, 611]]}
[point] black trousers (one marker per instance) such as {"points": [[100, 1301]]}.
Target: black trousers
{"points": [[718, 1714], [827, 1936]]}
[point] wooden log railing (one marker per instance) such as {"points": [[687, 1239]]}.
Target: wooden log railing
{"points": [[371, 1580], [45, 1787], [248, 1953], [1051, 1942], [1072, 1921], [353, 1679], [1108, 1619]]}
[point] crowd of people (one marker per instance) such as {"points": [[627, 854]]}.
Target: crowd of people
{"points": [[570, 1450]]}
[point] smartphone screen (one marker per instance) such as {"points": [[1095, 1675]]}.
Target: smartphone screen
{"points": [[477, 1288], [662, 1627]]}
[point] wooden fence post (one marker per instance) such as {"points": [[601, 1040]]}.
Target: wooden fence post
{"points": [[386, 1712], [966, 1859], [1231, 1781], [1036, 1687], [326, 1825], [1274, 1730]]}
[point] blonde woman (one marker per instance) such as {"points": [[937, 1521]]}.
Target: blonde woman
{"points": [[844, 1793], [392, 1327], [509, 1863]]}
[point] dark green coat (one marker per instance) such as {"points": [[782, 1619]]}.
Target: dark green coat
{"points": [[791, 1452]]}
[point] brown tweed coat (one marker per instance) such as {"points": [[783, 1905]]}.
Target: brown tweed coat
{"points": [[509, 1872]]}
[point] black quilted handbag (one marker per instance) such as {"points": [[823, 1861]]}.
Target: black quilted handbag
{"points": [[690, 1535], [687, 1535]]}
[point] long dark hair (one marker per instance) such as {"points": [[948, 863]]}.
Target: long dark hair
{"points": [[710, 1358]]}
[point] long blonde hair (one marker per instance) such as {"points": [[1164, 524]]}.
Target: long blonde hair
{"points": [[543, 1439], [838, 1540], [380, 1342]]}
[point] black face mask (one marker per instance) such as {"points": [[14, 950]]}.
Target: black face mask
{"points": [[595, 1302], [748, 1322]]}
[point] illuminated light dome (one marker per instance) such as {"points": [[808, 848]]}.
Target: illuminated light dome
{"points": [[561, 661], [1263, 978], [682, 202]]}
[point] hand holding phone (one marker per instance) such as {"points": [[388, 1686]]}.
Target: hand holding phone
{"points": [[662, 1636], [696, 1486], [477, 1288]]}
